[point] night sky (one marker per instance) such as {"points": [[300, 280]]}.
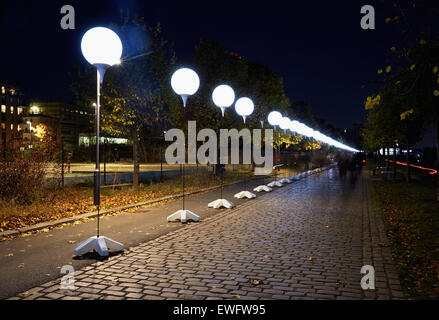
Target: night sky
{"points": [[318, 47]]}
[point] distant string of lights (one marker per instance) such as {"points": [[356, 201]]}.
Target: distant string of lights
{"points": [[275, 118], [430, 171]]}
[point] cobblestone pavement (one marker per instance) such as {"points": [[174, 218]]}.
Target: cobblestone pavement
{"points": [[306, 240]]}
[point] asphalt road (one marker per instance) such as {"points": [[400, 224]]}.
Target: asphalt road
{"points": [[29, 261]]}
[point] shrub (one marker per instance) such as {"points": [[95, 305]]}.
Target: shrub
{"points": [[22, 172], [318, 159]]}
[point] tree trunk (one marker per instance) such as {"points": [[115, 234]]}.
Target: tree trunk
{"points": [[142, 149], [135, 160]]}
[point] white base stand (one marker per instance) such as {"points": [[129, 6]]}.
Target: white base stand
{"points": [[183, 216], [99, 244], [275, 184], [220, 203], [285, 180], [262, 188], [245, 194]]}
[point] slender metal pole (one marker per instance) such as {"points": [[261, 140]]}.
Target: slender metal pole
{"points": [[221, 166], [394, 159], [278, 156], [184, 145], [105, 161], [62, 164], [97, 170], [161, 160], [408, 152], [244, 173]]}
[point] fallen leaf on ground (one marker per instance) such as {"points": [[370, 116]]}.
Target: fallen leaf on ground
{"points": [[256, 281]]}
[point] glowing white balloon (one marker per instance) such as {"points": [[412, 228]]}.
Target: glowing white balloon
{"points": [[284, 123], [307, 131], [274, 117], [101, 46], [185, 82], [223, 96], [294, 125], [244, 107]]}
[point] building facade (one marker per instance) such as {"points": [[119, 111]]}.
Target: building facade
{"points": [[11, 118], [66, 121]]}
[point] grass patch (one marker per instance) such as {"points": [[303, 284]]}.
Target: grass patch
{"points": [[75, 200], [411, 217]]}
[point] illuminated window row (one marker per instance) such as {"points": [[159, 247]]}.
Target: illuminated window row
{"points": [[19, 109]]}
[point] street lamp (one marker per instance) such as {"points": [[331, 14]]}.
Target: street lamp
{"points": [[223, 96], [274, 118], [30, 130], [185, 82], [244, 107], [102, 48], [284, 124]]}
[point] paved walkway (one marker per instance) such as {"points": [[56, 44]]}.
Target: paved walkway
{"points": [[307, 240], [27, 262]]}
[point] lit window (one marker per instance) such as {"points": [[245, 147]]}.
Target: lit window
{"points": [[3, 125], [3, 90], [20, 110], [12, 110], [12, 126], [3, 108]]}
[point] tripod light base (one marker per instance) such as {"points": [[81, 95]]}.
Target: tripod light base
{"points": [[221, 203], [275, 184], [285, 180], [183, 216], [245, 194], [99, 244], [262, 188]]}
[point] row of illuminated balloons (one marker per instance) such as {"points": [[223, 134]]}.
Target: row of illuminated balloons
{"points": [[102, 47], [185, 82], [275, 118]]}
